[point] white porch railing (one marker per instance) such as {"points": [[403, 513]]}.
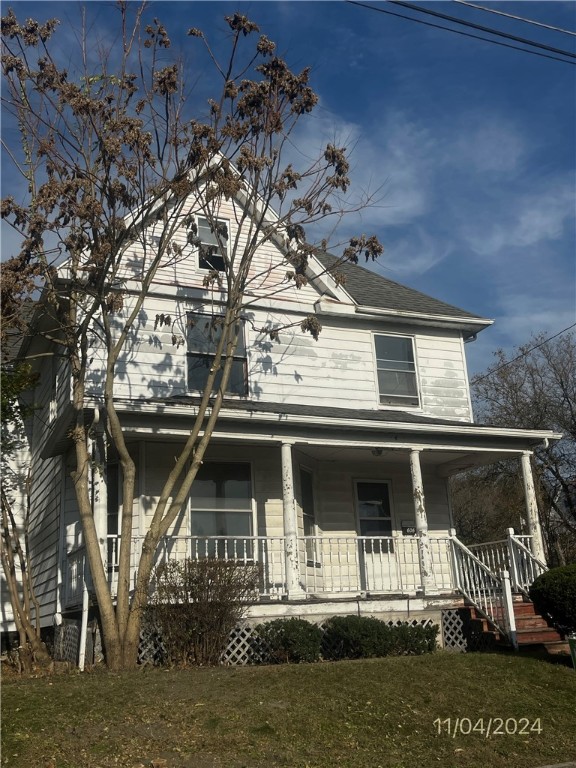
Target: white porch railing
{"points": [[267, 551], [366, 564], [350, 565], [328, 565], [512, 554], [490, 594]]}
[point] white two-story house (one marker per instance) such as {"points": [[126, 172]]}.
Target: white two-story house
{"points": [[331, 459]]}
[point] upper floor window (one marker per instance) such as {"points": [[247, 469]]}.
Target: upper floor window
{"points": [[204, 332], [213, 244], [397, 382]]}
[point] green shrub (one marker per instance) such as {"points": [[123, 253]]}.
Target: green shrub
{"points": [[291, 640], [554, 594], [361, 637]]}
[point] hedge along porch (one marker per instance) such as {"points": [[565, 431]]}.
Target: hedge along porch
{"points": [[330, 505]]}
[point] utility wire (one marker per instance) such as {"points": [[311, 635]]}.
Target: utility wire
{"points": [[482, 28], [526, 352], [458, 31], [516, 18]]}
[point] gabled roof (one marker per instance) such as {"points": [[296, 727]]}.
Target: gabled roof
{"points": [[371, 290]]}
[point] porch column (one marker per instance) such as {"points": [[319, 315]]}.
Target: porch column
{"points": [[424, 553], [100, 489], [532, 508], [293, 587]]}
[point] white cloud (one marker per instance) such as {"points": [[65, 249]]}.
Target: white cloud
{"points": [[486, 142], [519, 219]]}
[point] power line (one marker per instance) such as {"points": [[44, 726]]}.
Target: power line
{"points": [[526, 352], [458, 32], [516, 18], [482, 28]]}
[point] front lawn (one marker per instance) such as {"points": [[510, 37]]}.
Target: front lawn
{"points": [[396, 712]]}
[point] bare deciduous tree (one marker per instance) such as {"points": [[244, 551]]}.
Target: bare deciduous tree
{"points": [[532, 387], [111, 153]]}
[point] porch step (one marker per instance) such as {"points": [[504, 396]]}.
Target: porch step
{"points": [[532, 631]]}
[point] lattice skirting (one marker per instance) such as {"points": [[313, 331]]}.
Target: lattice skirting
{"points": [[66, 643], [461, 634], [245, 646]]}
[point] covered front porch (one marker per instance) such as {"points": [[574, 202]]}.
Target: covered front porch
{"points": [[335, 509]]}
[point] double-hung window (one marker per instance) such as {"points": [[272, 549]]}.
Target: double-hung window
{"points": [[396, 366], [221, 510], [204, 332], [374, 516], [213, 244]]}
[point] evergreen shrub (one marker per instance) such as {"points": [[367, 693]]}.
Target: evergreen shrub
{"points": [[291, 640], [361, 637], [554, 594]]}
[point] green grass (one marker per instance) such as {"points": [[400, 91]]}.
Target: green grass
{"points": [[378, 713]]}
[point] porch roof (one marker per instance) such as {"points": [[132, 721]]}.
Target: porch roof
{"points": [[379, 434]]}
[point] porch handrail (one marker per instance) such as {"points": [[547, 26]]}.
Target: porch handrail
{"points": [[513, 555], [490, 594], [525, 567]]}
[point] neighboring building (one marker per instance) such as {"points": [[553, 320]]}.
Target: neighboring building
{"points": [[330, 460]]}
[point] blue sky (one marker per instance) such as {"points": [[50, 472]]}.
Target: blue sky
{"points": [[473, 145]]}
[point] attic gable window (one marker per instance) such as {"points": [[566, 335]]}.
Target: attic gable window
{"points": [[213, 247], [396, 368], [203, 334]]}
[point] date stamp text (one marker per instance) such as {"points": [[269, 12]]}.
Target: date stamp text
{"points": [[486, 727]]}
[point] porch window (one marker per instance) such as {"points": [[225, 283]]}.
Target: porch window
{"points": [[308, 513], [221, 506], [213, 245], [204, 332], [396, 369], [374, 515]]}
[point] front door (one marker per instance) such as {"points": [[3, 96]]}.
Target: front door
{"points": [[377, 559]]}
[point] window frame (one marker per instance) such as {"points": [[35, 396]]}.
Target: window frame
{"points": [[392, 517], [209, 356], [397, 401], [251, 552], [311, 559], [220, 255]]}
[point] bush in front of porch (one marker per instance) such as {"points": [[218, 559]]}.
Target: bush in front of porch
{"points": [[291, 641], [296, 640], [196, 605], [554, 594], [362, 637]]}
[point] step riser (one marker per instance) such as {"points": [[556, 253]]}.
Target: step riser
{"points": [[531, 629], [527, 637], [531, 622]]}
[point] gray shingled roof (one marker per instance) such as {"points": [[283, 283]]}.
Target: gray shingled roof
{"points": [[370, 289], [316, 411]]}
